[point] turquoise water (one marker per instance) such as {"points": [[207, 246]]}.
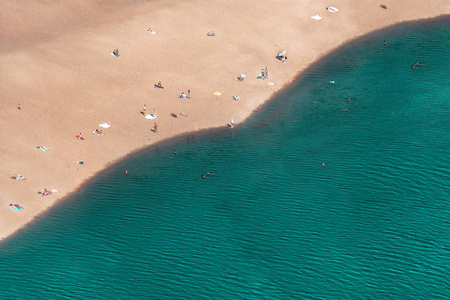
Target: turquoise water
{"points": [[272, 222]]}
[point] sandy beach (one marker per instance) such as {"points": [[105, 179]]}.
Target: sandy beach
{"points": [[57, 64]]}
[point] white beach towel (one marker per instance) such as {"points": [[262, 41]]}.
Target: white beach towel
{"points": [[316, 17], [105, 125], [150, 117], [332, 9]]}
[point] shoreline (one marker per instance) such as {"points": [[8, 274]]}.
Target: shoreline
{"points": [[243, 115]]}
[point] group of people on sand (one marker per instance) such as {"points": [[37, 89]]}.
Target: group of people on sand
{"points": [[16, 206], [282, 58], [240, 77], [264, 74], [98, 132], [159, 85], [18, 177], [184, 96], [45, 192], [115, 52]]}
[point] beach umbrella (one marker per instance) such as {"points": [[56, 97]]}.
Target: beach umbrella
{"points": [[216, 93], [281, 53]]}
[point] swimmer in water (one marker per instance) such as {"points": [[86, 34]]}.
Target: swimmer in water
{"points": [[348, 99], [315, 102], [174, 151], [345, 109], [203, 176], [209, 173], [413, 67], [323, 165], [385, 43], [418, 64], [126, 172]]}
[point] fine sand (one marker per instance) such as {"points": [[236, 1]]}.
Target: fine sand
{"points": [[56, 62]]}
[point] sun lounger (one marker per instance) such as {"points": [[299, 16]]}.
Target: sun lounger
{"points": [[105, 125], [43, 148], [316, 17]]}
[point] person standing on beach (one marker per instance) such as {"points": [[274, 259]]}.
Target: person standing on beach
{"points": [[266, 71], [145, 108], [155, 127], [189, 94], [19, 107]]}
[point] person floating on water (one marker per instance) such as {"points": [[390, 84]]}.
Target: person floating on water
{"points": [[385, 43], [126, 172], [174, 151]]}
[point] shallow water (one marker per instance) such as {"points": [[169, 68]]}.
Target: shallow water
{"points": [[272, 222]]}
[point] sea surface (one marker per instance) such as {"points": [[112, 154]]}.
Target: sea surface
{"points": [[315, 197]]}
